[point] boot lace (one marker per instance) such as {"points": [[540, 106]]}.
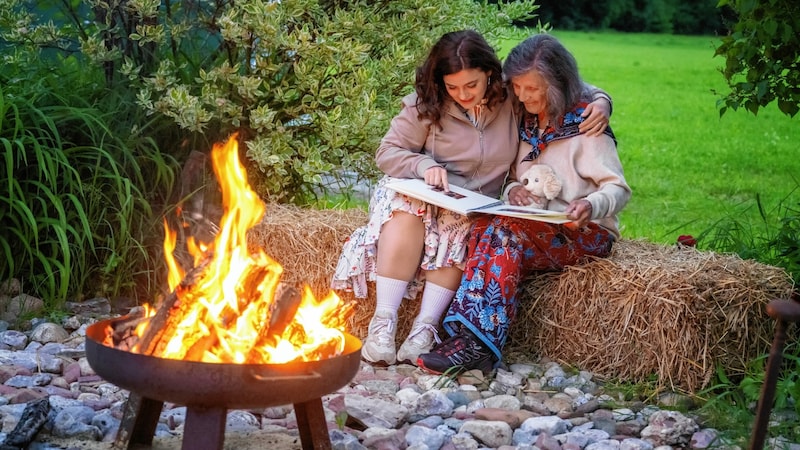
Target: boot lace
{"points": [[418, 336]]}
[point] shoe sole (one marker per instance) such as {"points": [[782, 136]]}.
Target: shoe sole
{"points": [[408, 360], [421, 365], [427, 370], [454, 371], [377, 363]]}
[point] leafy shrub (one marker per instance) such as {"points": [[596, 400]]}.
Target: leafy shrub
{"points": [[125, 90], [648, 16], [309, 84], [762, 56]]}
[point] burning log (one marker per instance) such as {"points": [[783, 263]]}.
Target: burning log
{"points": [[162, 326], [273, 315], [284, 307], [121, 332], [276, 316], [281, 314], [338, 318]]}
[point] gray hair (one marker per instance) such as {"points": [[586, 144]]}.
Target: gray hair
{"points": [[545, 55]]}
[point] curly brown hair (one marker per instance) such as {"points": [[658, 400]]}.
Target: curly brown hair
{"points": [[452, 53]]}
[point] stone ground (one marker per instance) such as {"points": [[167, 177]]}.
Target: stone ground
{"points": [[233, 441]]}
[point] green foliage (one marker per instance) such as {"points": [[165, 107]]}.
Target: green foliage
{"points": [[648, 16], [309, 84], [624, 391], [762, 55], [775, 241], [654, 16], [75, 202], [730, 403], [450, 377], [341, 419], [699, 17]]}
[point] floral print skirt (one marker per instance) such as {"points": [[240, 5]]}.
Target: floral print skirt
{"points": [[503, 251], [446, 238]]}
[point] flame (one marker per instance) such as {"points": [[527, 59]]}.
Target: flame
{"points": [[226, 312]]}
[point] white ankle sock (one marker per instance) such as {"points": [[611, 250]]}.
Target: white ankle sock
{"points": [[435, 301], [389, 293]]}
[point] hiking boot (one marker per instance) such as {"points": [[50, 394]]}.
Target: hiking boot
{"points": [[420, 340], [459, 353], [379, 347]]}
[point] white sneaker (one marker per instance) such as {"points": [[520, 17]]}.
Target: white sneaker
{"points": [[379, 345], [420, 340]]}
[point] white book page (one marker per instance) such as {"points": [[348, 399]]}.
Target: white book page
{"points": [[466, 202], [458, 199]]}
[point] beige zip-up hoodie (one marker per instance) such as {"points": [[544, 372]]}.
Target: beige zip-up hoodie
{"points": [[476, 157]]}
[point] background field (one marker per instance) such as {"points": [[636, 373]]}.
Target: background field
{"points": [[688, 168]]}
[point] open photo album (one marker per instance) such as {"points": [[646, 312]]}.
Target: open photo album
{"points": [[466, 202]]}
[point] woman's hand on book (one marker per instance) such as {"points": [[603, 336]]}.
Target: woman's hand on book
{"points": [[437, 176], [519, 196], [579, 211]]}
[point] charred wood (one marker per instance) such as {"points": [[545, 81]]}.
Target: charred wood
{"points": [[172, 310], [33, 418], [280, 315]]}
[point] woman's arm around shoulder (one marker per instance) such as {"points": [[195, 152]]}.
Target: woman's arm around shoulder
{"points": [[597, 113]]}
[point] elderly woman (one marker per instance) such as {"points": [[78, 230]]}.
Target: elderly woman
{"points": [[504, 250]]}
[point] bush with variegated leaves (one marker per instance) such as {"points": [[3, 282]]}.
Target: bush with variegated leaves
{"points": [[310, 84]]}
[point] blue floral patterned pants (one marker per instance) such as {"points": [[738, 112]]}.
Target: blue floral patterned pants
{"points": [[503, 251]]}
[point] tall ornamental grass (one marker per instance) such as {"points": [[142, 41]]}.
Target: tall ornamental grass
{"points": [[75, 202]]}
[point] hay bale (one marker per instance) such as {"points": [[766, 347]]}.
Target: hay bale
{"points": [[651, 309], [305, 241], [647, 310]]}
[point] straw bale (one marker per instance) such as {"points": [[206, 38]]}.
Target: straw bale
{"points": [[647, 310], [305, 241]]}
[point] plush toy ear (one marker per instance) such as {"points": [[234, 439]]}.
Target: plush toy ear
{"points": [[552, 186]]}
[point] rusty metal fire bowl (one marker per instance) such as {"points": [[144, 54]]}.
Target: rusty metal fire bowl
{"points": [[208, 390]]}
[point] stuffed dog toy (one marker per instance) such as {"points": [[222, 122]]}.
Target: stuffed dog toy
{"points": [[541, 181]]}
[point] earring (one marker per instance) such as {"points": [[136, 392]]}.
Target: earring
{"points": [[489, 83]]}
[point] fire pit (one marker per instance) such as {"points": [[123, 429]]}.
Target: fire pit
{"points": [[209, 390], [230, 334]]}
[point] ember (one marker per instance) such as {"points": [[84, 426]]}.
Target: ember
{"points": [[231, 306]]}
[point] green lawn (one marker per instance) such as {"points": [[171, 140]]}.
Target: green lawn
{"points": [[688, 167]]}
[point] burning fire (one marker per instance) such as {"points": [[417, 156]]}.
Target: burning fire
{"points": [[231, 307]]}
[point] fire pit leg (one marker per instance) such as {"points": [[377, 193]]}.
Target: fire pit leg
{"points": [[139, 421], [204, 428], [785, 313], [312, 425]]}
